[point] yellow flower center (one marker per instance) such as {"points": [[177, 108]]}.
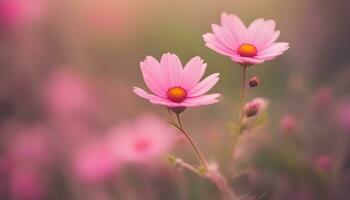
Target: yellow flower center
{"points": [[176, 94], [247, 50]]}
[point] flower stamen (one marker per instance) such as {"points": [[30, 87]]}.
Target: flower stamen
{"points": [[247, 50], [177, 94]]}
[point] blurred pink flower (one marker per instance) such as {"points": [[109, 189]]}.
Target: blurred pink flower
{"points": [[175, 86], [343, 116], [30, 146], [26, 184], [66, 95], [255, 107], [324, 162], [288, 123], [252, 45], [142, 140], [322, 98], [94, 163], [15, 13]]}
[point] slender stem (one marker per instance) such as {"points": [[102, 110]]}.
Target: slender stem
{"points": [[196, 150], [241, 106], [243, 86]]}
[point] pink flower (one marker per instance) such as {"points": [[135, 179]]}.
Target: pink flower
{"points": [[26, 184], [94, 163], [67, 95], [143, 139], [174, 86], [252, 45], [14, 13]]}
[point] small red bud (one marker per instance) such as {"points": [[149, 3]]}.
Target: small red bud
{"points": [[253, 82]]}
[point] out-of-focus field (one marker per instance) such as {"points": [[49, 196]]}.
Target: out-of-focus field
{"points": [[67, 69]]}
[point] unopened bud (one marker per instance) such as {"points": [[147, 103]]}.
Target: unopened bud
{"points": [[253, 82], [254, 107]]}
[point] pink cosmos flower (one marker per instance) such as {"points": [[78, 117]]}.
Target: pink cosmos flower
{"points": [[94, 163], [174, 86], [142, 140], [252, 45]]}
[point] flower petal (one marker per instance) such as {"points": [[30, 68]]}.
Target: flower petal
{"points": [[215, 44], [204, 86], [273, 39], [254, 29], [151, 67], [192, 73], [235, 26], [263, 35], [202, 100], [165, 69], [175, 70], [225, 37], [274, 48]]}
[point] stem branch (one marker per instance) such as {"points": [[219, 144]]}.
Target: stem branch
{"points": [[188, 137]]}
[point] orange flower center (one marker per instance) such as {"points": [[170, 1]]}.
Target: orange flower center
{"points": [[177, 94], [247, 50]]}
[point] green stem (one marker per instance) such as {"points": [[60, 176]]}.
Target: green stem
{"points": [[189, 139], [242, 96], [241, 106]]}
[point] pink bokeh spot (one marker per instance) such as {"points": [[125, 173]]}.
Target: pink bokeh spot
{"points": [[142, 140]]}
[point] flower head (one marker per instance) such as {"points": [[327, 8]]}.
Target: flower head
{"points": [[245, 45], [142, 140], [176, 86], [255, 107]]}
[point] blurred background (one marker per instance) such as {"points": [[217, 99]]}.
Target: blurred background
{"points": [[67, 73]]}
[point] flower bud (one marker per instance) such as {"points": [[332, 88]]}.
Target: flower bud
{"points": [[254, 107], [253, 82]]}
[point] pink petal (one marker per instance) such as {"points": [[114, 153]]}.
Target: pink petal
{"points": [[140, 92], [215, 44], [193, 72], [165, 69], [226, 38], [202, 100], [255, 28], [204, 86], [234, 25], [252, 60], [262, 36], [151, 68], [273, 39], [174, 70], [151, 76], [274, 48]]}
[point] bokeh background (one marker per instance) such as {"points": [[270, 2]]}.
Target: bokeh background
{"points": [[67, 69]]}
